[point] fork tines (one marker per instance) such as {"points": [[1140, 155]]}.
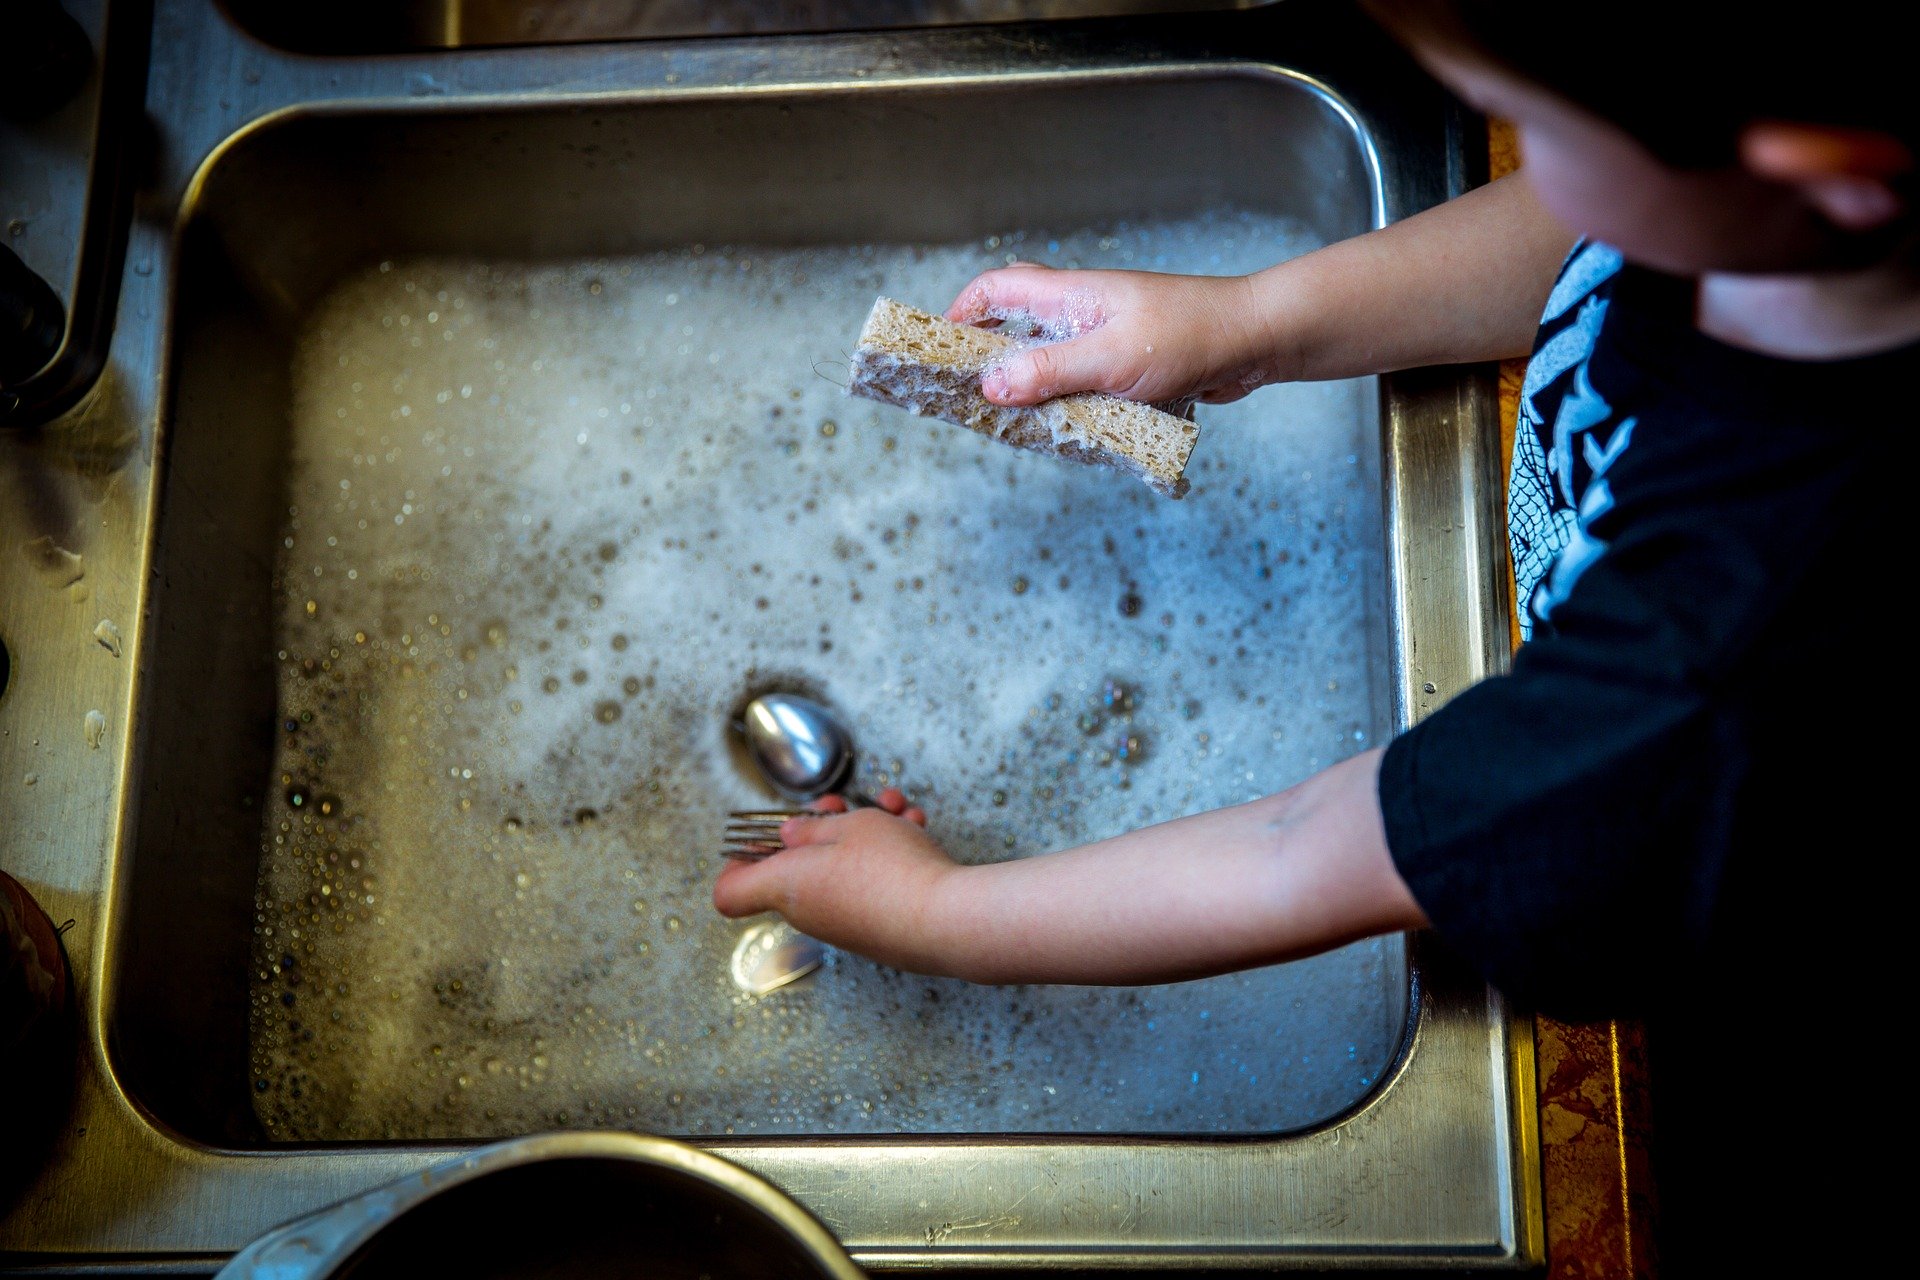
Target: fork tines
{"points": [[747, 853], [753, 834]]}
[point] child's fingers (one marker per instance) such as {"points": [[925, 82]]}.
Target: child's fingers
{"points": [[831, 804], [1086, 363], [745, 888], [894, 801], [1023, 286], [807, 828]]}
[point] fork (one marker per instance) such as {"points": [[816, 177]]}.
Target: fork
{"points": [[754, 834]]}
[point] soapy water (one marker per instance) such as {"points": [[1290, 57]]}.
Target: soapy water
{"points": [[550, 525]]}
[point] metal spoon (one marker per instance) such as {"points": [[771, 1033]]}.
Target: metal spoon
{"points": [[800, 747], [771, 954]]}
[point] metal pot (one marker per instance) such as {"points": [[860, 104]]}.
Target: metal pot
{"points": [[557, 1206]]}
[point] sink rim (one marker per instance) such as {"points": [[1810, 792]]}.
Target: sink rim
{"points": [[443, 32]]}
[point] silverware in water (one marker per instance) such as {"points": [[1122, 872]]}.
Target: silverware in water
{"points": [[771, 954], [799, 746], [753, 834]]}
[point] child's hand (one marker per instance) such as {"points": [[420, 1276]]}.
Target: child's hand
{"points": [[861, 880], [1149, 337]]}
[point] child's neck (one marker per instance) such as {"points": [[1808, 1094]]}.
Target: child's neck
{"points": [[1832, 316]]}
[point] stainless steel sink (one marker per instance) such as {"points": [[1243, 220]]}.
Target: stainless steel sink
{"points": [[499, 457]]}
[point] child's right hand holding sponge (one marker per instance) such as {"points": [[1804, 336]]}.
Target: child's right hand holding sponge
{"points": [[1146, 336], [1461, 282]]}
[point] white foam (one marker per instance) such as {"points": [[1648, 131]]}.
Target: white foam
{"points": [[625, 480]]}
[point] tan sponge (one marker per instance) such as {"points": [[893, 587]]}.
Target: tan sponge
{"points": [[933, 366]]}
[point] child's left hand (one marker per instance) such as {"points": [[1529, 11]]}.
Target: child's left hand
{"points": [[863, 880]]}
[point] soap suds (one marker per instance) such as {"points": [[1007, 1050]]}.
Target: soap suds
{"points": [[548, 524]]}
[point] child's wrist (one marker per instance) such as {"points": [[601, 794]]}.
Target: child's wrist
{"points": [[1279, 322], [948, 922]]}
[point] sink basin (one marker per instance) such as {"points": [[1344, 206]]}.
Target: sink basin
{"points": [[372, 651], [541, 465]]}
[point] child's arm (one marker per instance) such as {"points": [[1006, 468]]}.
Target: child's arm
{"points": [[1285, 876], [1289, 875], [1462, 282]]}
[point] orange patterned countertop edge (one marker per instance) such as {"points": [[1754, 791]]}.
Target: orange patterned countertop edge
{"points": [[1594, 1128]]}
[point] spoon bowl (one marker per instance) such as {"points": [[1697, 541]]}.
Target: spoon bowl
{"points": [[803, 749]]}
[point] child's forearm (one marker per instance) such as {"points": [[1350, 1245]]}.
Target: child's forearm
{"points": [[1281, 877], [1465, 281]]}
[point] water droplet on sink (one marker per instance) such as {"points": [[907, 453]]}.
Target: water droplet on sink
{"points": [[108, 635], [606, 712], [57, 565], [94, 727]]}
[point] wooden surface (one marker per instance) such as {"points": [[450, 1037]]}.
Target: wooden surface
{"points": [[1594, 1128]]}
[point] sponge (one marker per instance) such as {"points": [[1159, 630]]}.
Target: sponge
{"points": [[932, 366]]}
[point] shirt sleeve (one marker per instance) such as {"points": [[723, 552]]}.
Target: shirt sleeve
{"points": [[1566, 826]]}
